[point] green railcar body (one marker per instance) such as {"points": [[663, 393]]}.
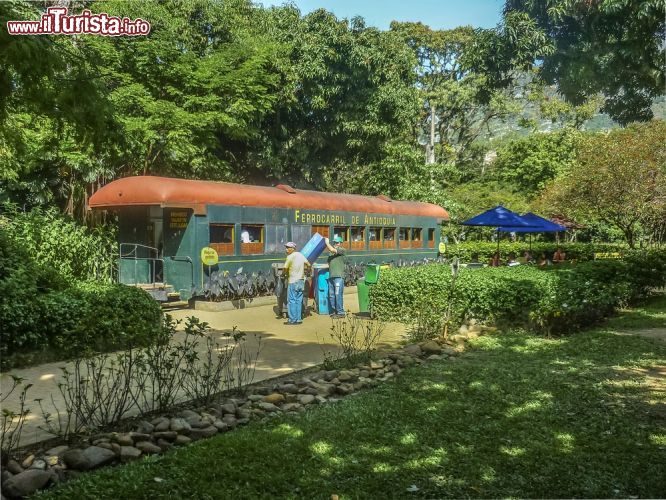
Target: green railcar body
{"points": [[163, 241]]}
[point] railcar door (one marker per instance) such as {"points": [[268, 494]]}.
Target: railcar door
{"points": [[156, 240], [138, 253]]}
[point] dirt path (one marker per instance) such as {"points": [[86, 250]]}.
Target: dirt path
{"points": [[284, 349], [652, 333]]}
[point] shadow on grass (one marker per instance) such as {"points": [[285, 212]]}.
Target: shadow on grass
{"points": [[520, 416], [650, 314]]}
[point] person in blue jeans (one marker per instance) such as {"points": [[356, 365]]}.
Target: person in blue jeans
{"points": [[336, 277], [294, 269]]}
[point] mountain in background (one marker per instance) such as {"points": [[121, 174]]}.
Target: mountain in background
{"points": [[515, 126]]}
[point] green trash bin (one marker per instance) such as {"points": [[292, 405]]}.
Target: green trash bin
{"points": [[372, 273], [363, 286], [363, 296]]}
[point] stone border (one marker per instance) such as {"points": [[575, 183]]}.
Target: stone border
{"points": [[287, 394]]}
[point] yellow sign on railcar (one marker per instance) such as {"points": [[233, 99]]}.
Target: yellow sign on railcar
{"points": [[178, 219], [209, 256]]}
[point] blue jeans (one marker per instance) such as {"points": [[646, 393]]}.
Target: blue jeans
{"points": [[335, 289], [295, 301]]}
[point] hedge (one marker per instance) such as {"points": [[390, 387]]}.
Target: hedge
{"points": [[40, 311], [574, 251], [550, 300], [88, 317]]}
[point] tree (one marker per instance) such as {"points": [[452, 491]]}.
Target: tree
{"points": [[531, 162], [475, 197], [177, 102], [466, 77], [613, 47], [348, 90], [50, 100], [619, 178], [195, 84]]}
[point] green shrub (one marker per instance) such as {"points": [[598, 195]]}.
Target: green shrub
{"points": [[40, 311], [400, 291], [86, 318], [20, 285], [59, 244], [117, 316], [486, 249], [554, 299], [47, 306]]}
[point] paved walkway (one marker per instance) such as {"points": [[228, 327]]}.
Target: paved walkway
{"points": [[284, 349]]}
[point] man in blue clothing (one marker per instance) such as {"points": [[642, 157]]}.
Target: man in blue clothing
{"points": [[336, 279]]}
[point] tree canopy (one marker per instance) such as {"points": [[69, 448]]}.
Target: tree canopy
{"points": [[612, 47], [231, 90], [618, 179]]}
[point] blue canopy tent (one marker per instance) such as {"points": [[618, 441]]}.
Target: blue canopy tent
{"points": [[542, 226], [500, 217]]}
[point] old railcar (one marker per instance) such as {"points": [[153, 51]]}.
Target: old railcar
{"points": [[165, 222]]}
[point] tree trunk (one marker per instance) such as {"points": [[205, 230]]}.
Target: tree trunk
{"points": [[629, 235], [146, 164]]}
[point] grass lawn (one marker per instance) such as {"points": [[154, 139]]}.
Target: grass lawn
{"points": [[517, 416]]}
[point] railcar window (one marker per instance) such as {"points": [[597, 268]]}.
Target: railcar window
{"points": [[325, 231], [375, 234], [403, 235], [357, 237], [276, 237], [251, 234], [300, 234], [252, 239], [389, 237], [343, 232], [416, 238], [221, 233], [431, 238], [357, 233], [221, 237]]}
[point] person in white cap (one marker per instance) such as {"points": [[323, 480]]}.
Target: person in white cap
{"points": [[294, 269]]}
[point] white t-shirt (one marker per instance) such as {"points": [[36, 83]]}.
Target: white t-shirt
{"points": [[294, 266], [245, 237]]}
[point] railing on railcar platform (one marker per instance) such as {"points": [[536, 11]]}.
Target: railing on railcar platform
{"points": [[130, 262], [129, 252]]}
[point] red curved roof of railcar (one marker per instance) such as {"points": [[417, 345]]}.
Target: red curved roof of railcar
{"points": [[165, 191]]}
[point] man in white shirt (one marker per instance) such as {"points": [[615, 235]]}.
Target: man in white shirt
{"points": [[294, 269]]}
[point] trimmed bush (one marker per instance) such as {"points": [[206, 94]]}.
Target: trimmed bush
{"points": [[90, 317], [575, 251], [554, 299], [41, 311], [100, 317]]}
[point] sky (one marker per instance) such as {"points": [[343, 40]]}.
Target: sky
{"points": [[438, 14]]}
